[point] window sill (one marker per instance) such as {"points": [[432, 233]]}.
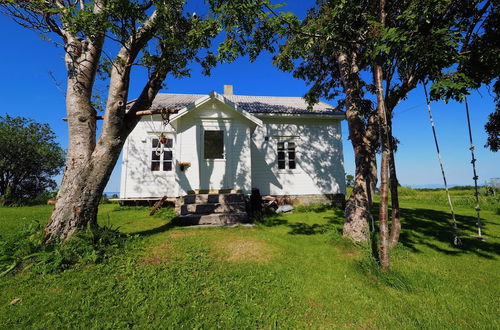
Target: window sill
{"points": [[295, 171], [215, 160]]}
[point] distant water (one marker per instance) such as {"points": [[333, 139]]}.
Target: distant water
{"points": [[434, 186], [111, 193]]}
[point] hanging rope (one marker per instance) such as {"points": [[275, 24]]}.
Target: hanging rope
{"points": [[162, 138], [475, 177], [165, 117], [456, 235]]}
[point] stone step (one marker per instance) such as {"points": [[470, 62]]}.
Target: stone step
{"points": [[212, 199], [211, 219], [212, 208]]}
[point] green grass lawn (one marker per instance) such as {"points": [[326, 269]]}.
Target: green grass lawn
{"points": [[294, 271]]}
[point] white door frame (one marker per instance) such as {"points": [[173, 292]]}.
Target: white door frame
{"points": [[223, 124]]}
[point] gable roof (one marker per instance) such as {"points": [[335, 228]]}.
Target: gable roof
{"points": [[250, 104], [205, 98]]}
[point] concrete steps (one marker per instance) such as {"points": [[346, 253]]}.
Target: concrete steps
{"points": [[211, 209], [218, 219], [206, 208], [212, 198]]}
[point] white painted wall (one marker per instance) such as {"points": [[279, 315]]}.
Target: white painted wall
{"points": [[236, 166], [138, 181], [319, 157], [251, 161]]}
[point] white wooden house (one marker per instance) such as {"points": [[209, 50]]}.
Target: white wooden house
{"points": [[226, 142]]}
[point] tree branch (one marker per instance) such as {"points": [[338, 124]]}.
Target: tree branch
{"points": [[148, 93], [120, 74], [472, 27]]}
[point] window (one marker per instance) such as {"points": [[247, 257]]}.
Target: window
{"points": [[161, 155], [286, 155], [214, 144]]}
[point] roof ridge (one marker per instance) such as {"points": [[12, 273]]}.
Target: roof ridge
{"points": [[255, 96], [295, 97], [180, 94]]}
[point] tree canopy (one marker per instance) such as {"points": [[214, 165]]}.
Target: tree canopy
{"points": [[29, 159], [110, 38], [360, 51]]}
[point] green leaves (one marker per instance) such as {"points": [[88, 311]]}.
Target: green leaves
{"points": [[451, 86], [29, 158]]}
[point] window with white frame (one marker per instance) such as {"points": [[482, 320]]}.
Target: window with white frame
{"points": [[161, 154], [286, 155], [214, 144]]}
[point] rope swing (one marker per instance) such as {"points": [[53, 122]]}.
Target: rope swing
{"points": [[475, 177], [162, 131], [456, 235]]}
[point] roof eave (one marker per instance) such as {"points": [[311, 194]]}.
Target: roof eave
{"points": [[220, 98], [336, 116]]}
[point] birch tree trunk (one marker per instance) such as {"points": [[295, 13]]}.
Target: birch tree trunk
{"points": [[395, 214], [384, 174]]}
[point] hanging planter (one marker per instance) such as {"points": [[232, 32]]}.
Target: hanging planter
{"points": [[163, 139], [184, 165]]}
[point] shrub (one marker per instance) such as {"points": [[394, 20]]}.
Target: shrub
{"points": [[316, 207], [27, 249]]}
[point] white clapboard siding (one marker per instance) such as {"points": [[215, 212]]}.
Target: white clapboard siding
{"points": [[319, 157], [251, 154], [138, 181]]}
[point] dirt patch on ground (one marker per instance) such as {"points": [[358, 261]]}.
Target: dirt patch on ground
{"points": [[160, 254], [348, 254], [244, 250], [178, 234]]}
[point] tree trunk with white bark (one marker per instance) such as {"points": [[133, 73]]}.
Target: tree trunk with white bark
{"points": [[89, 164], [385, 142], [357, 213]]}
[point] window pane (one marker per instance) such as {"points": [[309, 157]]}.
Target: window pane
{"points": [[291, 155], [291, 145], [155, 166], [281, 155], [169, 143], [281, 145], [281, 164], [155, 156], [214, 144], [291, 164], [154, 143], [167, 155], [167, 166]]}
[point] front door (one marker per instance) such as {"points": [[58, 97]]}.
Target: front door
{"points": [[214, 155]]}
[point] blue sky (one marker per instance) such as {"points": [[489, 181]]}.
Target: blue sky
{"points": [[27, 89]]}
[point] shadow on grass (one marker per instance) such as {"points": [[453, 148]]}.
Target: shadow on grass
{"points": [[429, 227], [421, 227], [300, 228], [163, 228]]}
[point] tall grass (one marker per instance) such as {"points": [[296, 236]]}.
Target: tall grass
{"points": [[459, 197]]}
